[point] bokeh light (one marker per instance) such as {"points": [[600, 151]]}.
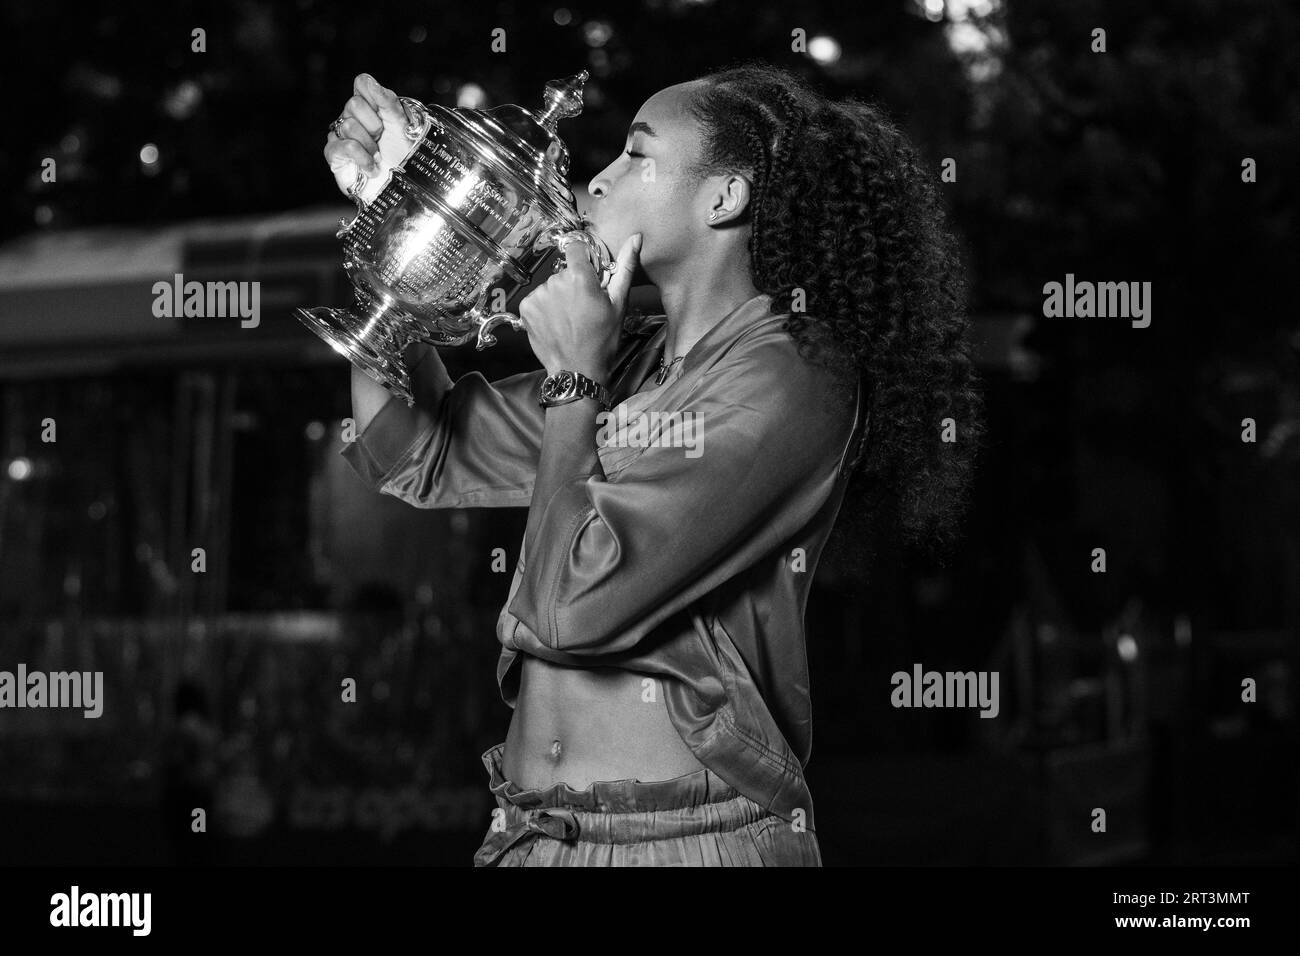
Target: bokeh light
{"points": [[149, 159], [824, 49], [471, 96], [597, 32]]}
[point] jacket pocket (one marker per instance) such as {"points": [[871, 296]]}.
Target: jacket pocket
{"points": [[723, 652], [730, 664]]}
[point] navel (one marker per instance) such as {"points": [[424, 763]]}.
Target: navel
{"points": [[556, 750]]}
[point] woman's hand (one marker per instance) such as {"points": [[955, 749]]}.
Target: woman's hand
{"points": [[372, 136], [571, 321]]}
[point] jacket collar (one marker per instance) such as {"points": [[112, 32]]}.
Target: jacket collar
{"points": [[714, 342]]}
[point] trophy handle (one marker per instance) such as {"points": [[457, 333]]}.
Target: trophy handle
{"points": [[597, 251], [485, 336], [418, 122]]}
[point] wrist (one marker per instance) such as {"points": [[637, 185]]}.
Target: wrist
{"points": [[570, 385], [585, 402], [594, 370]]}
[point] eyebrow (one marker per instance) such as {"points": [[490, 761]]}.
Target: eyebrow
{"points": [[640, 127]]}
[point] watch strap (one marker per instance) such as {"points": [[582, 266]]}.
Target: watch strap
{"points": [[583, 387]]}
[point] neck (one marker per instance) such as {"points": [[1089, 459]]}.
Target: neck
{"points": [[696, 303]]}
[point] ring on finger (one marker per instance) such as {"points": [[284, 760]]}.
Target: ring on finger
{"points": [[337, 126]]}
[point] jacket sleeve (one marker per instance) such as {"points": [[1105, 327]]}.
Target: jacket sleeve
{"points": [[467, 444], [617, 556]]}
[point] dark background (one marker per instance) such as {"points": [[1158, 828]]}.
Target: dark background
{"points": [[1120, 690]]}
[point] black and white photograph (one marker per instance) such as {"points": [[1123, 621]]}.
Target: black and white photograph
{"points": [[656, 433]]}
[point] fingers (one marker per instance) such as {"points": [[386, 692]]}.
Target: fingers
{"points": [[350, 128], [340, 153], [620, 283], [383, 100], [365, 115], [355, 141], [369, 135], [577, 259]]}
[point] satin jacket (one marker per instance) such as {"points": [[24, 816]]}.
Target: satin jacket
{"points": [[690, 559]]}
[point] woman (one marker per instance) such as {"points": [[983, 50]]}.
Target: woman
{"points": [[652, 641]]}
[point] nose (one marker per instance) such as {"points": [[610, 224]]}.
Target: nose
{"points": [[598, 188]]}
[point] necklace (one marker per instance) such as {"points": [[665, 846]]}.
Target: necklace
{"points": [[664, 369]]}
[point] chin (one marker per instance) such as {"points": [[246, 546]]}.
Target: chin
{"points": [[612, 236]]}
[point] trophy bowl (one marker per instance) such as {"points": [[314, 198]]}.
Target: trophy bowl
{"points": [[467, 218]]}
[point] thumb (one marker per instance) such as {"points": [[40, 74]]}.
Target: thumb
{"points": [[620, 283], [384, 100]]}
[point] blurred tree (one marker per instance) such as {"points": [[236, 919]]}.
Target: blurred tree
{"points": [[1127, 165]]}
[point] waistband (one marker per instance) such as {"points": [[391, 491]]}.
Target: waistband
{"points": [[698, 787], [613, 811]]}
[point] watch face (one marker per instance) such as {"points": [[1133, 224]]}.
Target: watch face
{"points": [[557, 385]]}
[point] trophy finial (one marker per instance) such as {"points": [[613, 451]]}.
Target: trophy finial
{"points": [[563, 99]]}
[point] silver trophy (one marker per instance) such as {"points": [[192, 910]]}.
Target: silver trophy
{"points": [[464, 221]]}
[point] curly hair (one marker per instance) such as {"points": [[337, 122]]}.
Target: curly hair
{"points": [[849, 238]]}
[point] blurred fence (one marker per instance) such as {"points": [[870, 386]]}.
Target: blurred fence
{"points": [[246, 717]]}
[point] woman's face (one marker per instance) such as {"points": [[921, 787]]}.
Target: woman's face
{"points": [[650, 187]]}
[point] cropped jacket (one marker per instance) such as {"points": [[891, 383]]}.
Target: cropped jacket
{"points": [[690, 558]]}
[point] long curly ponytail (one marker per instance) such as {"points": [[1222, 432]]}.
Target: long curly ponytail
{"points": [[846, 223]]}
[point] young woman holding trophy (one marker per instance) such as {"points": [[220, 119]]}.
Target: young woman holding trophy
{"points": [[653, 638]]}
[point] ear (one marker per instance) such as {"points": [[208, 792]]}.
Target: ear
{"points": [[728, 199]]}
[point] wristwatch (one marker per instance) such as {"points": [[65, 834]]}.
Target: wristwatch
{"points": [[566, 386]]}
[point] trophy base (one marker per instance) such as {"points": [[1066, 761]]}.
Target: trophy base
{"points": [[373, 339]]}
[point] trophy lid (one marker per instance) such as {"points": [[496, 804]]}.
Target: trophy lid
{"points": [[528, 140]]}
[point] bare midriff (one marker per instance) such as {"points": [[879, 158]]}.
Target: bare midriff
{"points": [[579, 725]]}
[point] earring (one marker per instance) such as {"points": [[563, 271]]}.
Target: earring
{"points": [[713, 215]]}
